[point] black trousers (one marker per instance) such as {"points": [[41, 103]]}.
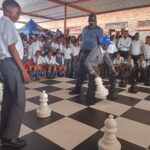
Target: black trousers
{"points": [[13, 103], [91, 88]]}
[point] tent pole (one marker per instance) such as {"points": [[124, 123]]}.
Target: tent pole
{"points": [[65, 20]]}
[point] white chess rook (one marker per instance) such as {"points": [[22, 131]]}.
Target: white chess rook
{"points": [[101, 91], [43, 111], [109, 140]]}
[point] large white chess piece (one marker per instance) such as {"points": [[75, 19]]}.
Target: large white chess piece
{"points": [[101, 91], [109, 140], [43, 111], [1, 91]]}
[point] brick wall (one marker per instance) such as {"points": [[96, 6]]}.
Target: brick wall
{"points": [[132, 16]]}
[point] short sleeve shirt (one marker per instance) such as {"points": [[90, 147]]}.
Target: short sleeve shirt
{"points": [[8, 36]]}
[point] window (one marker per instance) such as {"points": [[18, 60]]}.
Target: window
{"points": [[145, 23], [116, 25]]}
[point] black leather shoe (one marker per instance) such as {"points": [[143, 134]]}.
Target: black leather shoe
{"points": [[14, 143], [77, 90]]}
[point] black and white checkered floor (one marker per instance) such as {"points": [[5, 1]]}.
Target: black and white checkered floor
{"points": [[75, 125]]}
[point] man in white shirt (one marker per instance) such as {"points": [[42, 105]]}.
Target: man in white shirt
{"points": [[13, 76], [136, 48], [124, 44]]}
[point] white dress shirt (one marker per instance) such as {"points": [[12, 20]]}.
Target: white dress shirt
{"points": [[112, 48], [118, 61], [8, 36], [146, 52], [124, 44], [136, 47], [50, 61], [39, 61], [67, 52]]}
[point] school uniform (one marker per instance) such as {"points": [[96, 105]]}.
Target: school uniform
{"points": [[96, 56], [75, 62], [13, 104], [67, 51]]}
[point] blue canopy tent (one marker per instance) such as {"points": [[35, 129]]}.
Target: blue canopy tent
{"points": [[32, 27]]}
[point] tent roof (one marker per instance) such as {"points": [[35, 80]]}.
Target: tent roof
{"points": [[32, 27], [51, 10]]}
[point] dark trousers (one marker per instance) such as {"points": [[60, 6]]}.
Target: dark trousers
{"points": [[82, 71], [124, 54], [91, 89], [13, 104], [135, 59]]}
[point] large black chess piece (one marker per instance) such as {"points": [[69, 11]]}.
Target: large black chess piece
{"points": [[132, 88], [122, 82], [112, 90], [147, 80]]}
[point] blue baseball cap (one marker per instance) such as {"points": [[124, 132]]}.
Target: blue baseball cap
{"points": [[105, 40]]}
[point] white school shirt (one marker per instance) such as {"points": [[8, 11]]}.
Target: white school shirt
{"points": [[50, 61], [36, 46], [118, 61], [67, 52], [8, 36], [75, 50], [136, 47], [56, 46], [40, 60], [132, 63], [124, 44], [112, 48], [146, 52]]}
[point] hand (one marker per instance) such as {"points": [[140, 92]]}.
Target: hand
{"points": [[26, 77]]}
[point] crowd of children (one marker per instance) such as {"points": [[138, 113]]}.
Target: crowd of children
{"points": [[52, 56]]}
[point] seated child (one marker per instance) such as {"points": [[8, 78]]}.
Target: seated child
{"points": [[38, 61], [118, 63], [50, 65], [141, 71], [60, 67], [129, 67]]}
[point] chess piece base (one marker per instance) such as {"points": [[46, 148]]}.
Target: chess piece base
{"points": [[132, 90], [108, 146], [112, 96], [122, 84], [43, 113]]}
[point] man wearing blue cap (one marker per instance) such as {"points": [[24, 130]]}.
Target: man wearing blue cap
{"points": [[92, 62], [90, 39]]}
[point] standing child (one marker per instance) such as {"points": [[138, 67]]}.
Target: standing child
{"points": [[67, 52], [14, 76]]}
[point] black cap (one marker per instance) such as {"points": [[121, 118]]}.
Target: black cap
{"points": [[92, 18]]}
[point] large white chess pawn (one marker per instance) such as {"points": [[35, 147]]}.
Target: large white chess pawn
{"points": [[1, 91], [109, 140], [43, 111], [101, 91]]}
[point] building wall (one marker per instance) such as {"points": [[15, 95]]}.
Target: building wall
{"points": [[131, 16]]}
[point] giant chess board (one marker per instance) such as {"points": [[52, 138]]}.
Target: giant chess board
{"points": [[75, 125]]}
